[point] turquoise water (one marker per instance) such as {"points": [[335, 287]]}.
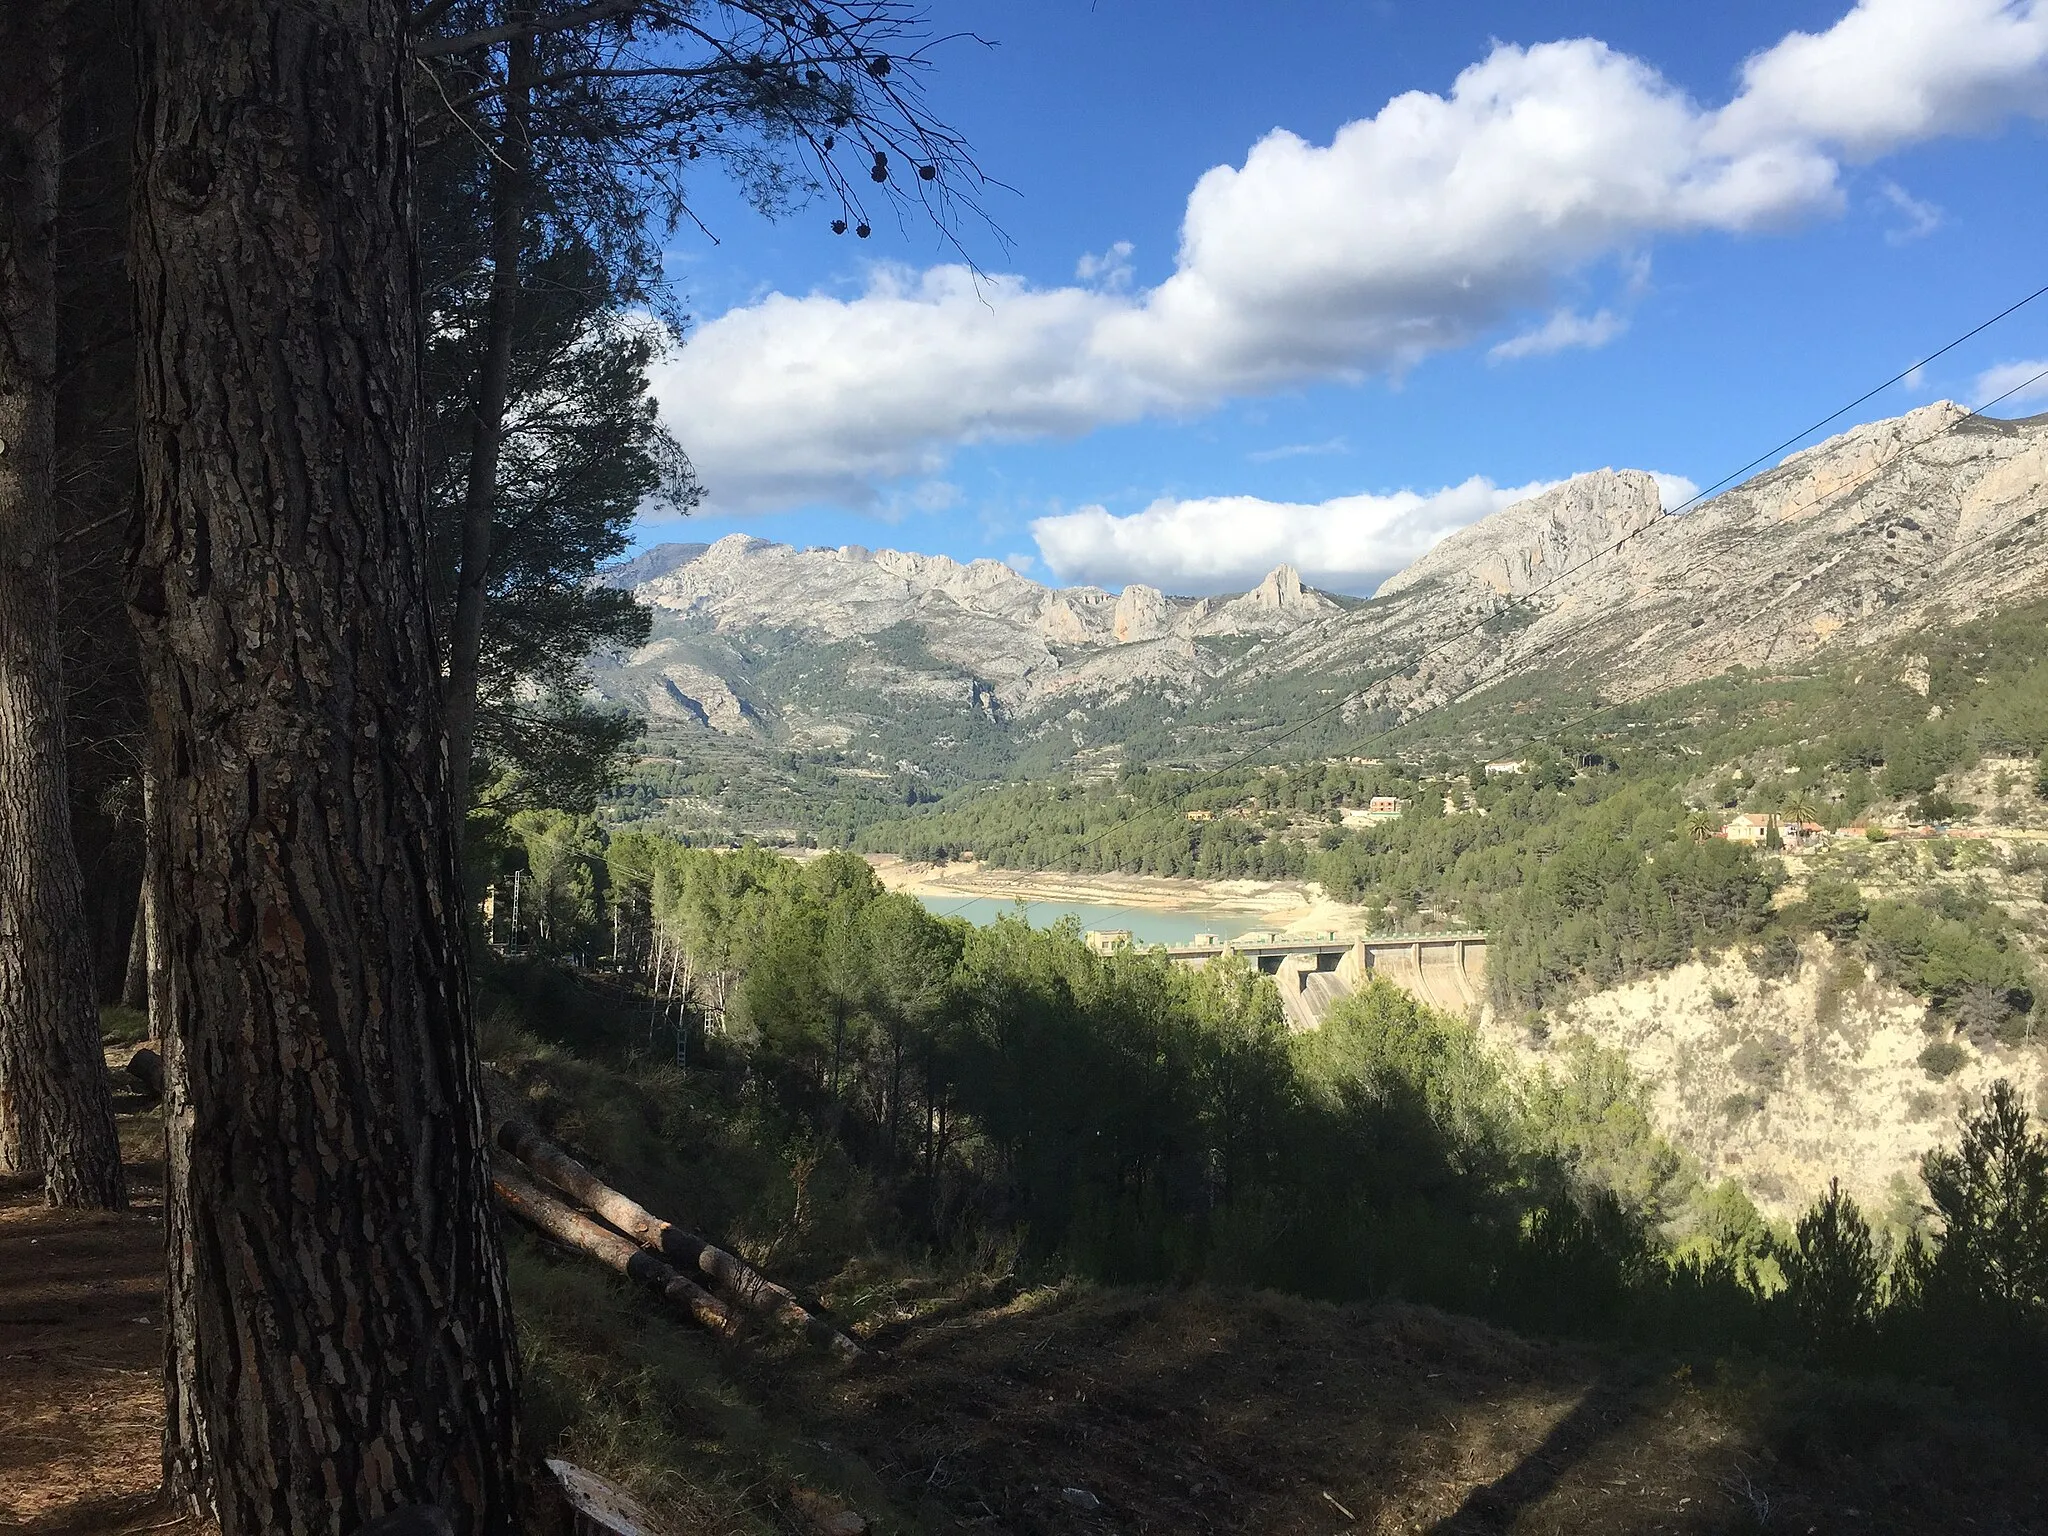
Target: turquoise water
{"points": [[1147, 925]]}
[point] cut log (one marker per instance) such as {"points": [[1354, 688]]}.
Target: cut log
{"points": [[542, 1211], [739, 1279], [598, 1507]]}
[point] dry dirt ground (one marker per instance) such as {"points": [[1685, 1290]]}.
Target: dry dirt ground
{"points": [[1205, 1411], [81, 1357]]}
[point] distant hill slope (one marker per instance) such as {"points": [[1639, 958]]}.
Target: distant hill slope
{"points": [[644, 567], [917, 665]]}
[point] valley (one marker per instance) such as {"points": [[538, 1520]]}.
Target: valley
{"points": [[877, 769], [1873, 661]]}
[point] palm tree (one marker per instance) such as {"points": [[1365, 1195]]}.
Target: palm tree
{"points": [[1700, 826]]}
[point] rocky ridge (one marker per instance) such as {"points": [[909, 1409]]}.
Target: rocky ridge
{"points": [[1849, 542], [985, 637]]}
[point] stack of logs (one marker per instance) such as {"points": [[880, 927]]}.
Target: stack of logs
{"points": [[621, 1234], [625, 1236]]}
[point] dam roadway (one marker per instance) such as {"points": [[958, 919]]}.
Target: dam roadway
{"points": [[1446, 970]]}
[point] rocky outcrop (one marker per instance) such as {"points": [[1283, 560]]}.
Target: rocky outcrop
{"points": [[1851, 542], [1532, 543], [677, 693], [1276, 605], [1020, 643], [1142, 613]]}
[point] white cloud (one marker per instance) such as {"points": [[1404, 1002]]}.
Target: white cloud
{"points": [[2012, 384], [1922, 218], [790, 400], [1561, 331], [1674, 491], [1423, 228], [1111, 270], [1022, 564], [1227, 543], [1892, 73], [1299, 451]]}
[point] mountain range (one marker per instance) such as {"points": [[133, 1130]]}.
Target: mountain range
{"points": [[920, 665]]}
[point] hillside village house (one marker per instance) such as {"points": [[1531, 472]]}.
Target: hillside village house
{"points": [[1379, 808], [1506, 765], [1799, 836], [1747, 828]]}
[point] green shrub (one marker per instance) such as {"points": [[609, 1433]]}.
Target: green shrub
{"points": [[1938, 807], [1991, 1194], [1833, 907], [1762, 1060], [1776, 958], [1943, 1060], [1832, 1275], [1739, 1107]]}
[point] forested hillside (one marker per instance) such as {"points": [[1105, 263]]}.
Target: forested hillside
{"points": [[1595, 861], [1120, 1117]]}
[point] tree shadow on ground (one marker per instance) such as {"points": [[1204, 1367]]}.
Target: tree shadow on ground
{"points": [[1080, 1410], [1607, 1407]]}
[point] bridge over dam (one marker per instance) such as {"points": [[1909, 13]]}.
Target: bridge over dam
{"points": [[1312, 971]]}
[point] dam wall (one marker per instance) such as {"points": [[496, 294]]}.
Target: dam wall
{"points": [[1444, 970]]}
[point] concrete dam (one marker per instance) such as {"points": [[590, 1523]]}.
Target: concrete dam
{"points": [[1444, 970]]}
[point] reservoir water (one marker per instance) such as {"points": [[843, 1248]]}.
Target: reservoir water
{"points": [[1147, 925]]}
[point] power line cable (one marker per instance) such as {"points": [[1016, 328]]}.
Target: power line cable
{"points": [[1869, 394]]}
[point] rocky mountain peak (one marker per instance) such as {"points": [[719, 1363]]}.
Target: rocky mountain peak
{"points": [[1275, 605], [1280, 590], [647, 565], [1142, 613], [1531, 543]]}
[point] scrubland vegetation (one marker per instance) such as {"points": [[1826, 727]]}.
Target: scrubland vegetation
{"points": [[871, 1090]]}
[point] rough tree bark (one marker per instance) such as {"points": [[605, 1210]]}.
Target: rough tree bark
{"points": [[340, 1344], [511, 192], [56, 1113]]}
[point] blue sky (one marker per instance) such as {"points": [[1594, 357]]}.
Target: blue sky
{"points": [[1645, 236]]}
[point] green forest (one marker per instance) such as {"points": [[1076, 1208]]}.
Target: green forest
{"points": [[1124, 1119]]}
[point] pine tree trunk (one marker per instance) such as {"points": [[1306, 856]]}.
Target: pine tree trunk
{"points": [[340, 1341], [511, 175], [56, 1113], [135, 977], [136, 989]]}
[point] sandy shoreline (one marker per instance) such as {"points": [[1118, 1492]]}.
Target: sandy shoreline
{"points": [[1284, 905]]}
